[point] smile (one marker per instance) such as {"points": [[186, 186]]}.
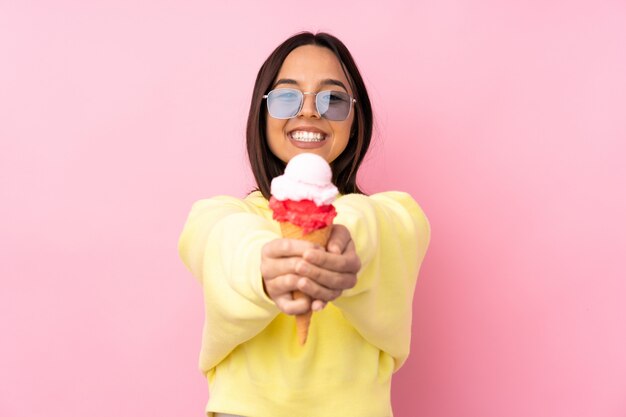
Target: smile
{"points": [[304, 136]]}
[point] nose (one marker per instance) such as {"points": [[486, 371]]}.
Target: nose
{"points": [[309, 108]]}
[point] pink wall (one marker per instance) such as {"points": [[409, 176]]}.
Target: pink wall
{"points": [[505, 120]]}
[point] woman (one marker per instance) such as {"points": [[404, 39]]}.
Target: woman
{"points": [[309, 97]]}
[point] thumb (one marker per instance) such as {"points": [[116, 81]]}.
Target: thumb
{"points": [[339, 239]]}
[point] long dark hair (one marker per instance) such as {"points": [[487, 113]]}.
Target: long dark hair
{"points": [[265, 165]]}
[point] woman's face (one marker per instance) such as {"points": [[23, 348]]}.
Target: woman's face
{"points": [[309, 68]]}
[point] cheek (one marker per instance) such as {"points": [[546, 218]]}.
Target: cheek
{"points": [[274, 134], [342, 132], [274, 128], [341, 135]]}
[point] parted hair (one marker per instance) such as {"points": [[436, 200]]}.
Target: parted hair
{"points": [[265, 165]]}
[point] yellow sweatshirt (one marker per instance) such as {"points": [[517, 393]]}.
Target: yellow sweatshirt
{"points": [[250, 353]]}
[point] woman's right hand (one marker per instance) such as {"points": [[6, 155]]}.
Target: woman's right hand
{"points": [[280, 259]]}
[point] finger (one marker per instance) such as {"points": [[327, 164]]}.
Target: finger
{"points": [[288, 305], [348, 262], [318, 305], [325, 277], [283, 284], [317, 291], [333, 281], [282, 248], [339, 239], [271, 268]]}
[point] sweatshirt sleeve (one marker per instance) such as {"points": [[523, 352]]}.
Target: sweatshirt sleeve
{"points": [[391, 234], [221, 245]]}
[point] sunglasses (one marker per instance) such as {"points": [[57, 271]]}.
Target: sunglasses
{"points": [[286, 103]]}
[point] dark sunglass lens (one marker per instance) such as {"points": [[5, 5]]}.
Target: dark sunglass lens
{"points": [[333, 105], [284, 103]]}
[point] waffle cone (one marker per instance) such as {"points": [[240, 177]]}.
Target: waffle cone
{"points": [[319, 236]]}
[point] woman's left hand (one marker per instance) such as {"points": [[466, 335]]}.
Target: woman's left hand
{"points": [[336, 269]]}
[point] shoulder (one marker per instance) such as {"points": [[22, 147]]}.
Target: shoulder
{"points": [[387, 208], [387, 201], [253, 203], [255, 199]]}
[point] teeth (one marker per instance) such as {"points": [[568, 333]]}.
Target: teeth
{"points": [[304, 136]]}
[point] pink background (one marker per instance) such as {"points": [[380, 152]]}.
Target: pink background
{"points": [[505, 120]]}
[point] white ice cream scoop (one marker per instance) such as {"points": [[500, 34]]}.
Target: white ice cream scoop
{"points": [[307, 177]]}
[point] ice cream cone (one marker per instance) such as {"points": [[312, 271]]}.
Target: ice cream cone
{"points": [[301, 202], [319, 236]]}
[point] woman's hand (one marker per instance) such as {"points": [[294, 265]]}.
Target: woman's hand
{"points": [[334, 270], [288, 265], [280, 259]]}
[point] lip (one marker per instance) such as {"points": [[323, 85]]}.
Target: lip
{"points": [[311, 129], [307, 145]]}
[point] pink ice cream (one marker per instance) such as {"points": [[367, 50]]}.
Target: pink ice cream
{"points": [[304, 194]]}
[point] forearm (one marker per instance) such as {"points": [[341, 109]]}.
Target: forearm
{"points": [[391, 235], [221, 244]]}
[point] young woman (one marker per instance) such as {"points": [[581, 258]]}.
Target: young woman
{"points": [[309, 97]]}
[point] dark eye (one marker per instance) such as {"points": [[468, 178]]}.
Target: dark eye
{"points": [[287, 95], [338, 96]]}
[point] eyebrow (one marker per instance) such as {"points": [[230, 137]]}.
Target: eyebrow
{"points": [[326, 81]]}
